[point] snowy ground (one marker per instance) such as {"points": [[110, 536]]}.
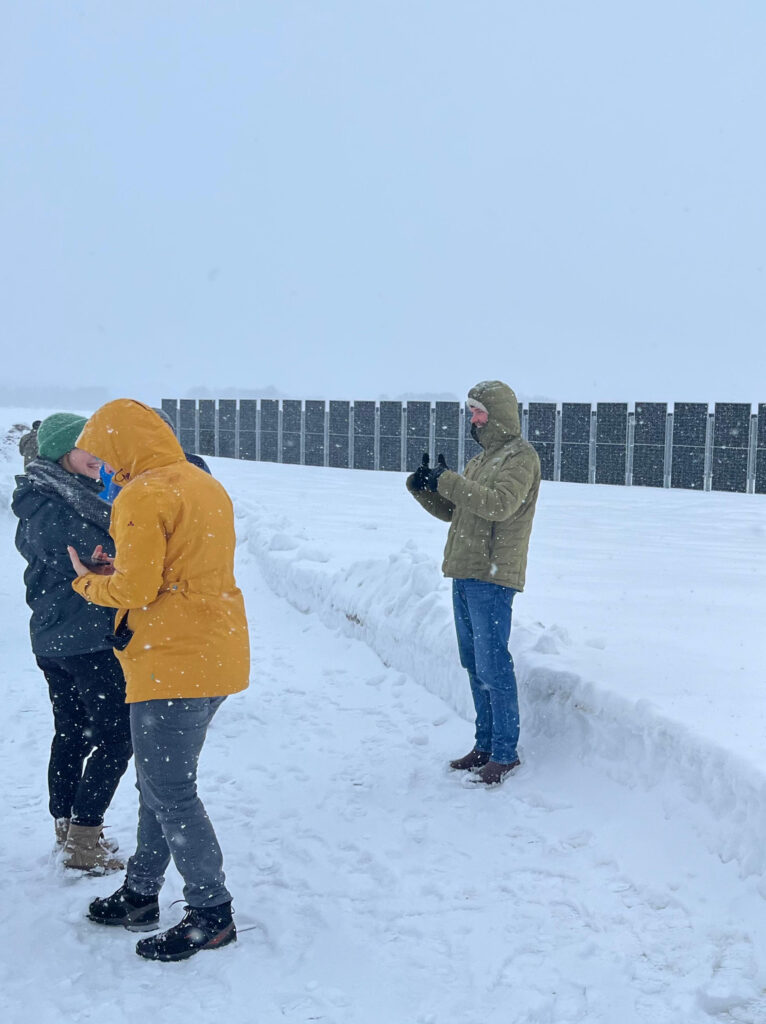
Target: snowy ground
{"points": [[617, 878]]}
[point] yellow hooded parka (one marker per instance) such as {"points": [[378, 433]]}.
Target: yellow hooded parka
{"points": [[173, 528]]}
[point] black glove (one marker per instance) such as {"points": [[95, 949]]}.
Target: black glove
{"points": [[433, 476], [420, 476]]}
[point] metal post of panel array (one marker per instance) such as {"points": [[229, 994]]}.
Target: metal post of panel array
{"points": [[708, 471], [631, 439]]}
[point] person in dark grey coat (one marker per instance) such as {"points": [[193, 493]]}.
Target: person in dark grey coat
{"points": [[56, 502]]}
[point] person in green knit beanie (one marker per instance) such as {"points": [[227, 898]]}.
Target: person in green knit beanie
{"points": [[57, 435], [57, 502]]}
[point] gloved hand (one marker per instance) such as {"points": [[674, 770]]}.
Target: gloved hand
{"points": [[433, 476], [420, 476]]}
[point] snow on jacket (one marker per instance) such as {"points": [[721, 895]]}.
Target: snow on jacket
{"points": [[173, 582], [490, 508], [56, 508]]}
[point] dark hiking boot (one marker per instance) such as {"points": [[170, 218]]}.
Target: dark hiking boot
{"points": [[201, 928], [127, 909], [493, 772], [474, 759]]}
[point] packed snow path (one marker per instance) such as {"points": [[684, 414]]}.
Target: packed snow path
{"points": [[380, 888], [372, 886]]}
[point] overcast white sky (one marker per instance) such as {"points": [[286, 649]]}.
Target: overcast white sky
{"points": [[349, 198]]}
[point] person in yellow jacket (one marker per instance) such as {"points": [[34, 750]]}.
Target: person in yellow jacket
{"points": [[181, 637]]}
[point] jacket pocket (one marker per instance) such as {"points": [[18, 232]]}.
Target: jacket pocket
{"points": [[121, 636]]}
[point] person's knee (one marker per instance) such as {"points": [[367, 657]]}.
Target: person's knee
{"points": [[171, 802]]}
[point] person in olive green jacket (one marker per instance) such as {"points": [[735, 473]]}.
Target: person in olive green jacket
{"points": [[490, 510]]}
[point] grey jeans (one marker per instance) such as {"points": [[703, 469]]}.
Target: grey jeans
{"points": [[168, 736]]}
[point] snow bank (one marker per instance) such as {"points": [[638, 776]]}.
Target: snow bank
{"points": [[399, 606]]}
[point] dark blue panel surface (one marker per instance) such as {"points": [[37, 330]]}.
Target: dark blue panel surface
{"points": [[247, 449], [688, 468], [291, 416], [612, 423], [269, 448], [364, 435], [729, 469], [541, 425], [610, 463], [760, 471], [339, 417], [689, 424], [649, 465], [546, 454], [575, 422], [314, 449], [574, 463], [315, 417], [338, 456], [651, 423], [207, 415], [247, 414], [170, 406], [269, 415], [390, 457], [732, 425]]}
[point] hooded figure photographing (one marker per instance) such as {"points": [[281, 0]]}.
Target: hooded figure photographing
{"points": [[490, 510], [181, 637]]}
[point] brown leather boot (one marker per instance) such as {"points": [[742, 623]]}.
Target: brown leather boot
{"points": [[493, 773], [473, 759], [85, 850]]}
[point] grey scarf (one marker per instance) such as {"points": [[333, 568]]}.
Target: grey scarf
{"points": [[78, 491]]}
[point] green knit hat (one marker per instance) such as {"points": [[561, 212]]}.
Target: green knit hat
{"points": [[57, 434]]}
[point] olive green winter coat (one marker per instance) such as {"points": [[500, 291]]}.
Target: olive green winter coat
{"points": [[490, 508]]}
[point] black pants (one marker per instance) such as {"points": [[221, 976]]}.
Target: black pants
{"points": [[92, 721]]}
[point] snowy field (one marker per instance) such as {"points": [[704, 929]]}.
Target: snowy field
{"points": [[618, 877]]}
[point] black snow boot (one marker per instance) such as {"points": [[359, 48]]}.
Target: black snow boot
{"points": [[473, 759], [129, 909], [201, 928]]}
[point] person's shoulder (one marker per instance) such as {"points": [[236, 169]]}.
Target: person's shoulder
{"points": [[198, 461]]}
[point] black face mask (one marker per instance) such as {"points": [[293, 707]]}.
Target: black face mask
{"points": [[475, 433]]}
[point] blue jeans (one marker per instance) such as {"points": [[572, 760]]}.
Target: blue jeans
{"points": [[483, 624], [167, 740]]}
